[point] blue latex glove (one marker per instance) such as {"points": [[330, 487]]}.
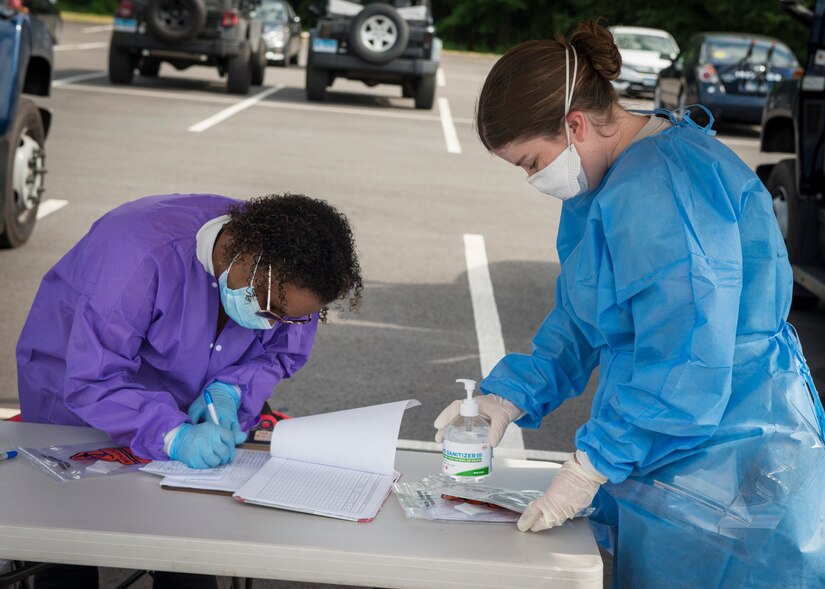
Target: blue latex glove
{"points": [[204, 445], [226, 400]]}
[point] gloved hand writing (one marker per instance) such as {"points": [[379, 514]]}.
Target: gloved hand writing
{"points": [[204, 445], [226, 399], [498, 410], [572, 489]]}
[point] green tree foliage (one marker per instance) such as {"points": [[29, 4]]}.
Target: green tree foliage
{"points": [[496, 25]]}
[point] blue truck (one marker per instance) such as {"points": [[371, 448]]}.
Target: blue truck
{"points": [[26, 61]]}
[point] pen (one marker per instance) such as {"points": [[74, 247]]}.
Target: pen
{"points": [[8, 455], [211, 406]]}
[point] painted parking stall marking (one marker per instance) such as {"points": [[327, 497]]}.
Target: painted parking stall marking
{"points": [[488, 326], [47, 207], [447, 126], [77, 78], [233, 110], [82, 46]]}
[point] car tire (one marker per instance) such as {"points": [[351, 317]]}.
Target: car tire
{"points": [[121, 65], [22, 153], [175, 21], [239, 72], [798, 222], [316, 83], [378, 34], [317, 79], [424, 92], [259, 65], [149, 67]]}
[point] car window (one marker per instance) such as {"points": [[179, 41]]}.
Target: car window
{"points": [[729, 51], [271, 12], [644, 42]]}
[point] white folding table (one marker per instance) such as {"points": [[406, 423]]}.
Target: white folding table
{"points": [[128, 521]]}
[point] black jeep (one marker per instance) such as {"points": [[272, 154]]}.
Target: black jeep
{"points": [[376, 43], [183, 33]]}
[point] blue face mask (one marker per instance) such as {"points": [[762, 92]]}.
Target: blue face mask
{"points": [[239, 309]]}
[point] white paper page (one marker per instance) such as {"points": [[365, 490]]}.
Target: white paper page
{"points": [[175, 468], [319, 489], [361, 439], [243, 466]]}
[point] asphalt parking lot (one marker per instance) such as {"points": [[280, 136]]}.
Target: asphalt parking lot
{"points": [[427, 203]]}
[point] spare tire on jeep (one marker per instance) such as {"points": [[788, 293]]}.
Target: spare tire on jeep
{"points": [[378, 33], [175, 21]]}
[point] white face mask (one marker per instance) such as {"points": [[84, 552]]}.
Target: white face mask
{"points": [[564, 177]]}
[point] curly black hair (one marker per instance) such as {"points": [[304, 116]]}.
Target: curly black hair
{"points": [[307, 241]]}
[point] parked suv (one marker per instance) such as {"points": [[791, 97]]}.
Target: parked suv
{"points": [[183, 33], [793, 122], [26, 57], [376, 43]]}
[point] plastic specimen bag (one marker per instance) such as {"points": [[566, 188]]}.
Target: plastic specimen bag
{"points": [[79, 461], [437, 497]]}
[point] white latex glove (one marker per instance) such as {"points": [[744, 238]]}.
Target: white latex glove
{"points": [[498, 410], [572, 489]]}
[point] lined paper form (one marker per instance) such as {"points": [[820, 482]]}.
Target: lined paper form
{"points": [[242, 468], [317, 488], [337, 464]]}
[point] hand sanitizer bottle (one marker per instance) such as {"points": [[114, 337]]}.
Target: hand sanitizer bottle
{"points": [[467, 454]]}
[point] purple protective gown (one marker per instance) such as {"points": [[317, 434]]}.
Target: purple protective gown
{"points": [[121, 334]]}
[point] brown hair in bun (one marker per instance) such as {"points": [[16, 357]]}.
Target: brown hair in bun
{"points": [[523, 95]]}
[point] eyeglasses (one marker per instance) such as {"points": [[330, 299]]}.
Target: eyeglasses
{"points": [[267, 313]]}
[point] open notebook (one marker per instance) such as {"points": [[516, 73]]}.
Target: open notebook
{"points": [[338, 464]]}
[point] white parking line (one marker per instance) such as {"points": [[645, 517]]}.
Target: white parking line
{"points": [[233, 110], [77, 78], [439, 77], [450, 136], [488, 325], [97, 29], [82, 46], [47, 207]]}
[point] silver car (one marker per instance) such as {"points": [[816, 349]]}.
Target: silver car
{"points": [[282, 32], [645, 52]]}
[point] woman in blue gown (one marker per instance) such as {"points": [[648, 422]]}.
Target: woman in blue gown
{"points": [[703, 453]]}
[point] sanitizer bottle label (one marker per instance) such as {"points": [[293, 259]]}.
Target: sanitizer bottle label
{"points": [[466, 460]]}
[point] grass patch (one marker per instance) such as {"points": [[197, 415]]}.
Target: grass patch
{"points": [[85, 17]]}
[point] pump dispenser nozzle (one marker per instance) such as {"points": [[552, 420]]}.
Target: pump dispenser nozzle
{"points": [[469, 408]]}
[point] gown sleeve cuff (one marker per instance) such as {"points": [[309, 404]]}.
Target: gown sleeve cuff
{"points": [[168, 438]]}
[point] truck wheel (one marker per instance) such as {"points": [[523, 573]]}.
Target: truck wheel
{"points": [[21, 176], [175, 21], [121, 66], [798, 223], [239, 72], [259, 65], [149, 67], [316, 83], [424, 92], [379, 34]]}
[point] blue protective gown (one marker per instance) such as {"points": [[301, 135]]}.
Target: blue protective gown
{"points": [[121, 335], [675, 282]]}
